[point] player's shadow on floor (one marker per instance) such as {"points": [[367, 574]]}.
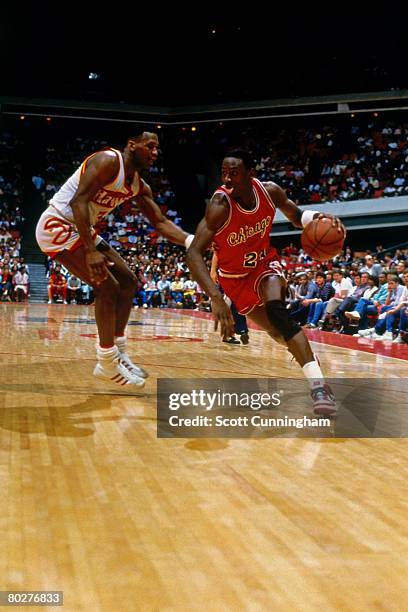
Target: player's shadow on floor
{"points": [[38, 402], [73, 420]]}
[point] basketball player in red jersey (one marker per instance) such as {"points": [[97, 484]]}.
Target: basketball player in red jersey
{"points": [[238, 222], [105, 180]]}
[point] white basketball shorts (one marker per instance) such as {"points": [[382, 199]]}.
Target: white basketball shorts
{"points": [[54, 233]]}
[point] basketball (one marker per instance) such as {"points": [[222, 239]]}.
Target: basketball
{"points": [[321, 240]]}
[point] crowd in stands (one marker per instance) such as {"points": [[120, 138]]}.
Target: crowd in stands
{"points": [[331, 163], [14, 282], [162, 275], [365, 295]]}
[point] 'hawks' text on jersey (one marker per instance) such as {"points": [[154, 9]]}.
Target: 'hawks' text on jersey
{"points": [[105, 200]]}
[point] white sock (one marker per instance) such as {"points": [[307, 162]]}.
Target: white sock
{"points": [[107, 354], [120, 342], [313, 373]]}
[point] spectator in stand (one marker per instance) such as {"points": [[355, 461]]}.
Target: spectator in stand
{"points": [[307, 291], [301, 284], [388, 262], [149, 291], [163, 287], [343, 287], [204, 303], [87, 294], [38, 182], [291, 298], [5, 235], [402, 335], [393, 315], [57, 286], [177, 287], [359, 287], [7, 284], [20, 282], [400, 269], [370, 303], [74, 290], [189, 288], [371, 267], [22, 264], [394, 295], [318, 304]]}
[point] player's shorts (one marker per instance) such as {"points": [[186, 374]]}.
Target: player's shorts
{"points": [[54, 233], [244, 291]]}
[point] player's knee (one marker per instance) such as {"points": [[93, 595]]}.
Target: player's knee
{"points": [[278, 317], [108, 289]]}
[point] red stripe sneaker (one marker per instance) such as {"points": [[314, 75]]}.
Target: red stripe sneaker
{"points": [[324, 402]]}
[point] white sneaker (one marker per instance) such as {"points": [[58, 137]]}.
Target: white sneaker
{"points": [[376, 336], [132, 367], [112, 370], [365, 333], [49, 301], [353, 315], [398, 340], [388, 336]]}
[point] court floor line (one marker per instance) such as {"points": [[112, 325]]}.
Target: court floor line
{"points": [[151, 365]]}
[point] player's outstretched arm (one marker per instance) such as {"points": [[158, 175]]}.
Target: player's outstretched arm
{"points": [[298, 217], [216, 215], [162, 224]]}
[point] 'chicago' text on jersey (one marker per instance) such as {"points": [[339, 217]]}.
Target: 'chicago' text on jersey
{"points": [[245, 232]]}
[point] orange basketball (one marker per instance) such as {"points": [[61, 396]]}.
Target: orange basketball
{"points": [[321, 240]]}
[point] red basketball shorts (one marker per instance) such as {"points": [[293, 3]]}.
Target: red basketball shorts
{"points": [[244, 291]]}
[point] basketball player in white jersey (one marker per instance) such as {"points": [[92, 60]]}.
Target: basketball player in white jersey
{"points": [[105, 180]]}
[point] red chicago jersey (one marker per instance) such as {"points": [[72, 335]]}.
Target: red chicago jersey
{"points": [[243, 241], [57, 279]]}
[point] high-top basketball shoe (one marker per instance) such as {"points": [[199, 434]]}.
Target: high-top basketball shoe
{"points": [[124, 358], [324, 402], [110, 369]]}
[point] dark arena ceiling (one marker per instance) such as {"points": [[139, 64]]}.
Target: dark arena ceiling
{"points": [[175, 57]]}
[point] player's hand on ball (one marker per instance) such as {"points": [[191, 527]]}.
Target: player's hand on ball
{"points": [[336, 222], [222, 315]]}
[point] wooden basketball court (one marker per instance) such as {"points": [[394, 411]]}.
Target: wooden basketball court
{"points": [[95, 505]]}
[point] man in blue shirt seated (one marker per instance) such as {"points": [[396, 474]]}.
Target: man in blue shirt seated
{"points": [[306, 291], [361, 284], [317, 304], [369, 304]]}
